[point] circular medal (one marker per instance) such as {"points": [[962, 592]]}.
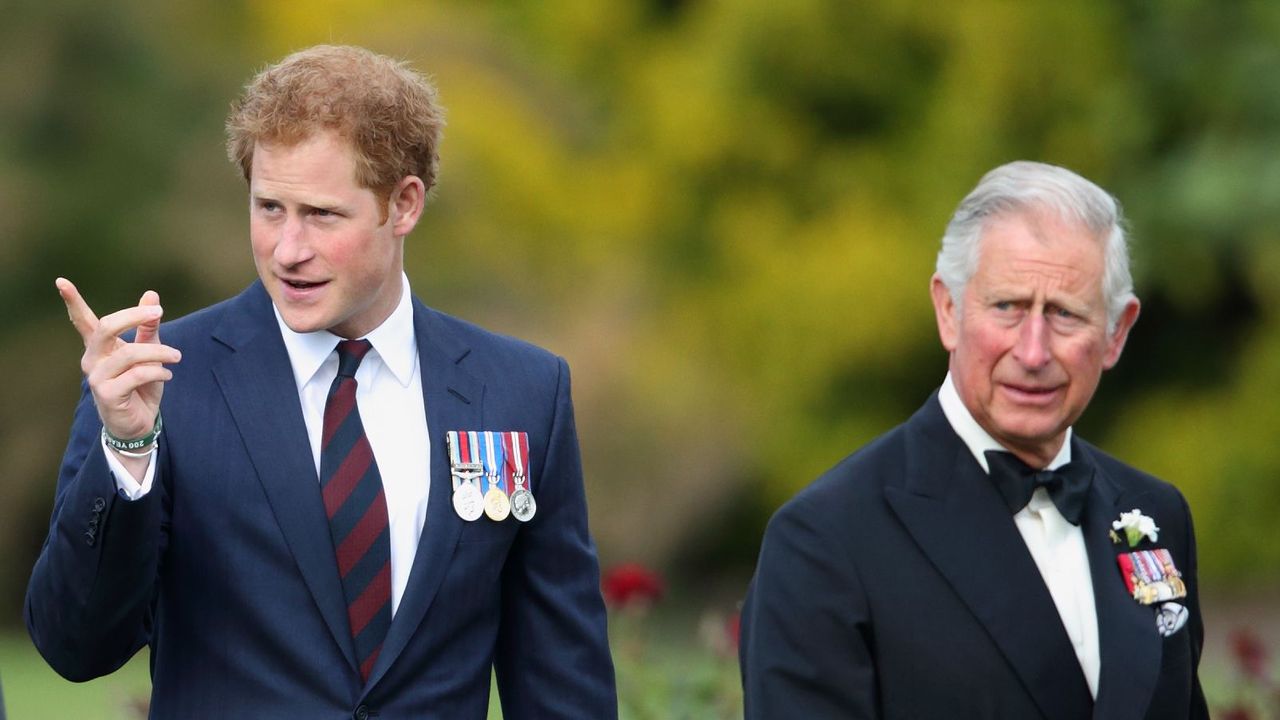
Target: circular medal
{"points": [[468, 502], [522, 505], [496, 504]]}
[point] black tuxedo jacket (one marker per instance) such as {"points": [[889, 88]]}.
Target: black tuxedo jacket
{"points": [[897, 586], [227, 570]]}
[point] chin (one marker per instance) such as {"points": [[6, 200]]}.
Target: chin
{"points": [[301, 324], [1028, 423], [1033, 434]]}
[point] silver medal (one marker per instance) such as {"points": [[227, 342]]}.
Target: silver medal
{"points": [[523, 505], [468, 502]]}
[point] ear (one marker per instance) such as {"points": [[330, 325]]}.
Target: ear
{"points": [[944, 308], [406, 204], [1115, 342]]}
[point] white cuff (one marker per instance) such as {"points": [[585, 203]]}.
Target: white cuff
{"points": [[130, 488]]}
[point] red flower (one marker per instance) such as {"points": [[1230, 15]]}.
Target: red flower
{"points": [[1237, 713], [1250, 653], [631, 583], [733, 628]]}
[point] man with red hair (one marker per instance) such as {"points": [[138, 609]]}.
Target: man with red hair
{"points": [[269, 498]]}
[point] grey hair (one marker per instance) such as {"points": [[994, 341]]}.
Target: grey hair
{"points": [[1021, 186]]}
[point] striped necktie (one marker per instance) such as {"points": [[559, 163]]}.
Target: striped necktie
{"points": [[357, 510]]}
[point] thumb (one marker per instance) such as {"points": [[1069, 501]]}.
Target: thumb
{"points": [[149, 332]]}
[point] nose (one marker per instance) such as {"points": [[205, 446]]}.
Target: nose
{"points": [[292, 247], [1032, 348]]}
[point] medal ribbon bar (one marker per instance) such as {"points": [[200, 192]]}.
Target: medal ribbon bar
{"points": [[493, 461]]}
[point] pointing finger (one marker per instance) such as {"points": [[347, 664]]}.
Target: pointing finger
{"points": [[78, 310]]}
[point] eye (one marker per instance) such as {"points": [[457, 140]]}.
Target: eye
{"points": [[268, 206], [1002, 305], [325, 213]]}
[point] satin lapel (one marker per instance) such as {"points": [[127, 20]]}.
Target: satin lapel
{"points": [[453, 400], [956, 516], [1128, 641], [257, 381]]}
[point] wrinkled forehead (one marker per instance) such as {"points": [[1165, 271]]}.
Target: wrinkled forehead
{"points": [[1040, 247]]}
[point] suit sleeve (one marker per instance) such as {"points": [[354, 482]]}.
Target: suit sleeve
{"points": [[89, 601], [1199, 708], [806, 645], [553, 651]]}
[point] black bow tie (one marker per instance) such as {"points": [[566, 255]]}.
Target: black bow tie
{"points": [[1068, 485]]}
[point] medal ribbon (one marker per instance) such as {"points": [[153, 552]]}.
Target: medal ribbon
{"points": [[470, 451], [1127, 571], [508, 468], [493, 462], [455, 456], [1151, 567], [523, 453], [471, 447], [517, 447]]}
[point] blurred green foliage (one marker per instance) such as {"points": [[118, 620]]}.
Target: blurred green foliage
{"points": [[724, 214]]}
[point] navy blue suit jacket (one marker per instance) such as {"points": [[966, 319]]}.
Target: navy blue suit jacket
{"points": [[226, 569], [898, 586]]}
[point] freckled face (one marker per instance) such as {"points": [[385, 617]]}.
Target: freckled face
{"points": [[1029, 339], [320, 244]]}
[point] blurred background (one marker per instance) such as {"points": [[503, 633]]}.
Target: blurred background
{"points": [[724, 214]]}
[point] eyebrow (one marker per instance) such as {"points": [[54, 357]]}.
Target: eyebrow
{"points": [[335, 207], [1013, 294]]}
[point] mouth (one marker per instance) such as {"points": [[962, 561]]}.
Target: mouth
{"points": [[299, 290], [1031, 393]]}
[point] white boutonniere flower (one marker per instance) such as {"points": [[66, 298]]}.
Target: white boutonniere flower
{"points": [[1136, 526]]}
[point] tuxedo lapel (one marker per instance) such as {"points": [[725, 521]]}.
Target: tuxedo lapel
{"points": [[1128, 641], [958, 519], [453, 400], [254, 376]]}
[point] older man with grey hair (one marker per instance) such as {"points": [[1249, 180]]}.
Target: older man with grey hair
{"points": [[980, 560]]}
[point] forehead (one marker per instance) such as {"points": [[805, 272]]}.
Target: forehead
{"points": [[323, 159], [1040, 248]]}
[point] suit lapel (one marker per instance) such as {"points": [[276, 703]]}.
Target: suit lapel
{"points": [[1128, 642], [453, 400], [960, 523], [257, 375]]}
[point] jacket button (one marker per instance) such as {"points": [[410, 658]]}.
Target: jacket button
{"points": [[99, 504], [90, 537], [361, 713]]}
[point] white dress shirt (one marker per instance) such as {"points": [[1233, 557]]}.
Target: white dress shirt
{"points": [[389, 397], [1056, 545]]}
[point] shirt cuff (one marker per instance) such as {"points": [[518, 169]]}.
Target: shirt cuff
{"points": [[129, 488]]}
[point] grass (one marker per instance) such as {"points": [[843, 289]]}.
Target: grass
{"points": [[33, 690], [662, 675]]}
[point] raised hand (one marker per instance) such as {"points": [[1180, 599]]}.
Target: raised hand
{"points": [[126, 378]]}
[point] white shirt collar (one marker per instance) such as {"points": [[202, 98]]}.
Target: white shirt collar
{"points": [[393, 341], [974, 436]]}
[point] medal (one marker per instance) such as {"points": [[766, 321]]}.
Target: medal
{"points": [[1151, 577], [523, 505], [467, 500], [496, 504]]}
